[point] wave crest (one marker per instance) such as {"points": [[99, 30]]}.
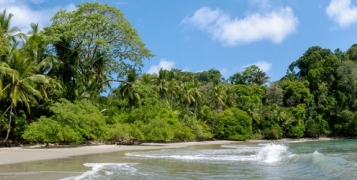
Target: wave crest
{"points": [[271, 153]]}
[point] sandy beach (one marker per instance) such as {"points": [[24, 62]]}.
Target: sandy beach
{"points": [[24, 154]]}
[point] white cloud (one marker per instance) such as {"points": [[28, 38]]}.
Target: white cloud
{"points": [[342, 12], [263, 65], [203, 17], [274, 25], [164, 64], [25, 14]]}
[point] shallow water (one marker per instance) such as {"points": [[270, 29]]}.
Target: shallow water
{"points": [[242, 160]]}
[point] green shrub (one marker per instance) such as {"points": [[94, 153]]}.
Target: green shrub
{"points": [[71, 122], [274, 132], [47, 130], [124, 132], [234, 124]]}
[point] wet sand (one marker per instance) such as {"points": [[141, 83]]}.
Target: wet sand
{"points": [[26, 154], [23, 154]]}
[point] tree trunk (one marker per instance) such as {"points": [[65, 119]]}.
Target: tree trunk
{"points": [[171, 99], [214, 118], [214, 121], [9, 128], [187, 109]]}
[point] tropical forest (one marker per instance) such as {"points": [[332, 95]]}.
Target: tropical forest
{"points": [[57, 86]]}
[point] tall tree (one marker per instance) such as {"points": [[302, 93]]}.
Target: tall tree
{"points": [[172, 88], [251, 74], [197, 94], [187, 94], [128, 90], [22, 83], [147, 79], [209, 76], [274, 95], [11, 33], [94, 40], [312, 55], [230, 96], [259, 77], [346, 84], [162, 83], [217, 96]]}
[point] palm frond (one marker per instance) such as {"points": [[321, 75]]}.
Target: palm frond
{"points": [[15, 95], [6, 70], [29, 88], [25, 101], [1, 90], [37, 78]]}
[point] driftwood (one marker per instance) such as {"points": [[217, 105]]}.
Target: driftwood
{"points": [[49, 145], [126, 142]]}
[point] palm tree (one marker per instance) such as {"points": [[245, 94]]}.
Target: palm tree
{"points": [[147, 79], [187, 96], [161, 82], [95, 79], [197, 94], [255, 110], [172, 89], [33, 43], [217, 96], [230, 96], [34, 49], [128, 90], [4, 48], [66, 70], [259, 78], [11, 33], [22, 83]]}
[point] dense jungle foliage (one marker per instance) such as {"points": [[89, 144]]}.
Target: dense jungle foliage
{"points": [[52, 82]]}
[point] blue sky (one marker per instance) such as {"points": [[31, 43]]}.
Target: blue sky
{"points": [[196, 35]]}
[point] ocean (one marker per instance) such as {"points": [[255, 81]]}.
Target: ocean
{"points": [[335, 159]]}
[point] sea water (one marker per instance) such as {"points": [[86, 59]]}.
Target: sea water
{"points": [[242, 160]]}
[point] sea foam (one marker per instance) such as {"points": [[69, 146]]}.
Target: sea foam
{"points": [[268, 153], [103, 169], [271, 153]]}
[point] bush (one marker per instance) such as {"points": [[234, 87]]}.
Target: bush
{"points": [[162, 126], [71, 122], [274, 132], [157, 130], [233, 124], [47, 130], [316, 127], [297, 130], [125, 132]]}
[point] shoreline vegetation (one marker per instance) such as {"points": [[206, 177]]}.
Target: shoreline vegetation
{"points": [[39, 152], [52, 83]]}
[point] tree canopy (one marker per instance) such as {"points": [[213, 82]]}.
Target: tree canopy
{"points": [[51, 84], [94, 44]]}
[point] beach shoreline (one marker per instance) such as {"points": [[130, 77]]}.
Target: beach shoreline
{"points": [[296, 140], [15, 155]]}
